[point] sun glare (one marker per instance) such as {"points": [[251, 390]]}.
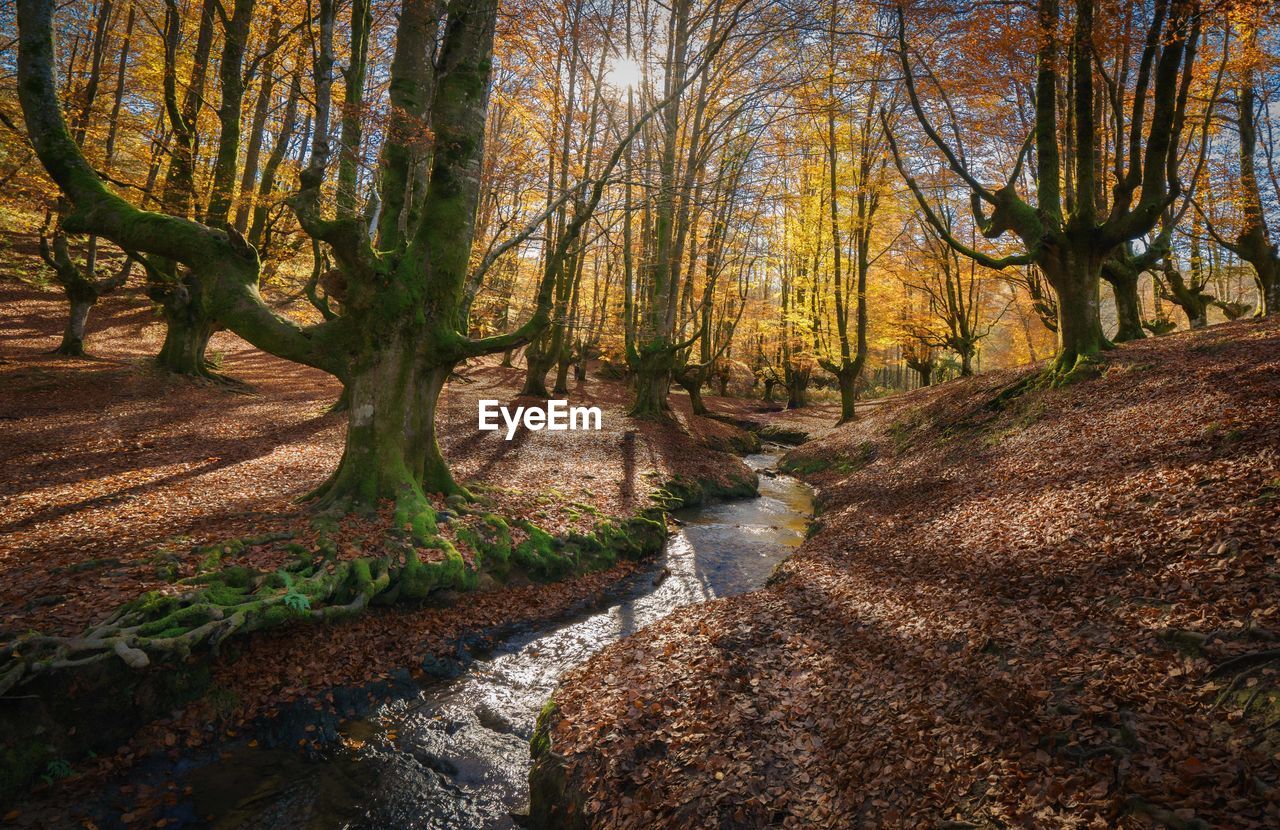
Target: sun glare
{"points": [[623, 73]]}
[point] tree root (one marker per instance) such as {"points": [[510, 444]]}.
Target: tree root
{"points": [[216, 606], [220, 602], [1245, 661], [1165, 816]]}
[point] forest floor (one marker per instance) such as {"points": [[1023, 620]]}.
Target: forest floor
{"points": [[1056, 609], [111, 474]]}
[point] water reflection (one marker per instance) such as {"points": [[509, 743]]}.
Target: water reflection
{"points": [[457, 756]]}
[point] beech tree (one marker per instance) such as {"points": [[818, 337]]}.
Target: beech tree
{"points": [[1081, 208], [400, 331], [1253, 242], [687, 132], [867, 186], [957, 295]]}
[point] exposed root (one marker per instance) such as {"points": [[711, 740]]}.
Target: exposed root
{"points": [[213, 607], [69, 349], [1245, 661], [416, 560], [1164, 816]]}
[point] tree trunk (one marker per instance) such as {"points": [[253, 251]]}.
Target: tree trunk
{"points": [[187, 333], [1268, 278], [691, 381], [539, 358], [966, 363], [652, 383], [797, 389], [82, 292], [72, 344], [563, 362], [1128, 313], [925, 371], [847, 378], [391, 449], [768, 391], [1254, 242], [1075, 277]]}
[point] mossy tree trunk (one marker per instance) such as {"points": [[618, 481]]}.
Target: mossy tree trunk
{"points": [[691, 380], [797, 383], [651, 381], [391, 450], [539, 357], [72, 343], [563, 362], [1075, 276], [82, 291], [1188, 294], [186, 337], [847, 380], [1068, 235], [189, 324], [1124, 288], [403, 323]]}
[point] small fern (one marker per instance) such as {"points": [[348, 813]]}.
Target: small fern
{"points": [[294, 600], [56, 770]]}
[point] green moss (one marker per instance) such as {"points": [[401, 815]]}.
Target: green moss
{"points": [[678, 492], [538, 554], [224, 595], [496, 539], [418, 579], [414, 516], [277, 614], [635, 538], [152, 605], [863, 455], [1085, 369], [540, 743], [492, 545]]}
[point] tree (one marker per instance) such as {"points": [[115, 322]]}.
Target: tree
{"points": [[1253, 242], [957, 295], [400, 332], [82, 290], [1085, 205], [687, 130], [868, 146]]}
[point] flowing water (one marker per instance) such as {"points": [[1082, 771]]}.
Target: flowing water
{"points": [[456, 755]]}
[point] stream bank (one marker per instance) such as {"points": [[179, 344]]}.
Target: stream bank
{"points": [[1050, 609], [454, 753]]}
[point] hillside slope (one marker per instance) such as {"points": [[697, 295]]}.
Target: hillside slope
{"points": [[1058, 609]]}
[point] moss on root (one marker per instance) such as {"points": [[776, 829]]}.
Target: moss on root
{"points": [[553, 805], [160, 630]]}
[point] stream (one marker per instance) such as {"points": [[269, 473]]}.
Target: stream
{"points": [[456, 755]]}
